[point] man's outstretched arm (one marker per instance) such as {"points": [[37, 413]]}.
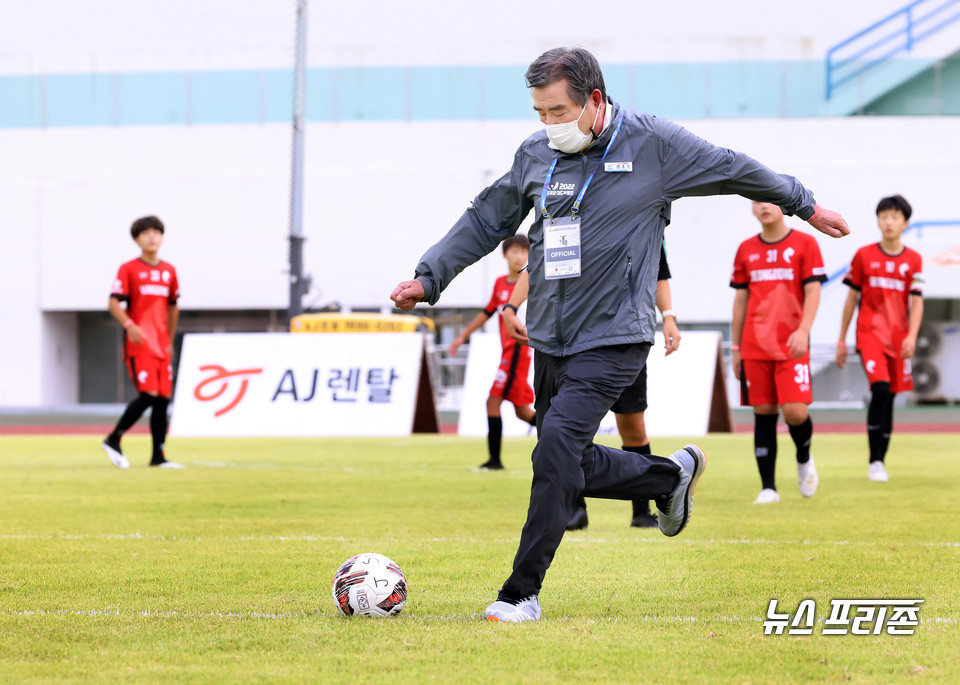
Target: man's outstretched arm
{"points": [[493, 216], [693, 166]]}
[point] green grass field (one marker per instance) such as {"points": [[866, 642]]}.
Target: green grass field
{"points": [[222, 572]]}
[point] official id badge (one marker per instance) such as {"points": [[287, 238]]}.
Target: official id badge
{"points": [[561, 251]]}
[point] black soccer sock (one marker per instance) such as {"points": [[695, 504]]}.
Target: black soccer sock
{"points": [[765, 448], [158, 427], [581, 503], [131, 414], [801, 435], [494, 437], [640, 506], [879, 413], [888, 425]]}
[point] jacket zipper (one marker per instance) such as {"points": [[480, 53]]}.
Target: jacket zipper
{"points": [[560, 317], [562, 285], [633, 299]]}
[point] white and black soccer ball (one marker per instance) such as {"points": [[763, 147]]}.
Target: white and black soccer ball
{"points": [[369, 585]]}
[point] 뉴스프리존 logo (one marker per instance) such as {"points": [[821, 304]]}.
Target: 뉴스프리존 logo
{"points": [[847, 617], [224, 377]]}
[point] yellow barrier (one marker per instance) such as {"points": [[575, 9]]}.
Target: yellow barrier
{"points": [[361, 323]]}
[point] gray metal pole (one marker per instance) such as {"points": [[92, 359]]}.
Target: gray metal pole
{"points": [[298, 283]]}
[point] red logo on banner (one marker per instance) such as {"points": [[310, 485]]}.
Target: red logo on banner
{"points": [[224, 377]]}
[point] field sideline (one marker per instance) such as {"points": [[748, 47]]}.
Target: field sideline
{"points": [[222, 572]]}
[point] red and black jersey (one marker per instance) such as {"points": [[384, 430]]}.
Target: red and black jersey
{"points": [[502, 291], [148, 291], [885, 283], [775, 274]]}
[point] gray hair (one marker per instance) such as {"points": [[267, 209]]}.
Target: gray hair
{"points": [[576, 65]]}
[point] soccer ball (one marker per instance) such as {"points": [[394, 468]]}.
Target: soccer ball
{"points": [[369, 585]]}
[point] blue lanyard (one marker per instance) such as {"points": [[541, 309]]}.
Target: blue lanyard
{"points": [[583, 191]]}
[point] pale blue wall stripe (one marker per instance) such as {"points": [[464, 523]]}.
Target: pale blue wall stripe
{"points": [[460, 93]]}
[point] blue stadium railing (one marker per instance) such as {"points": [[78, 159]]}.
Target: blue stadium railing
{"points": [[917, 226], [896, 33]]}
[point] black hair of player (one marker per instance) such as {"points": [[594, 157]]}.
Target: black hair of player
{"points": [[895, 202], [519, 240], [143, 223]]}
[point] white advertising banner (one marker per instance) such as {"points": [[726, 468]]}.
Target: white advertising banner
{"points": [[290, 385], [680, 388], [483, 360]]}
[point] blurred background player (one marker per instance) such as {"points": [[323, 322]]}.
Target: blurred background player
{"points": [[886, 279], [510, 382], [149, 288], [631, 405], [777, 275]]}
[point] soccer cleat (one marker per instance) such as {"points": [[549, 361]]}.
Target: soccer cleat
{"points": [[767, 496], [491, 466], [675, 507], [579, 519], [878, 472], [646, 520], [514, 611], [807, 478], [112, 448], [168, 465]]}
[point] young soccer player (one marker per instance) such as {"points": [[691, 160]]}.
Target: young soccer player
{"points": [[886, 279], [632, 403], [149, 288], [510, 382], [777, 275]]}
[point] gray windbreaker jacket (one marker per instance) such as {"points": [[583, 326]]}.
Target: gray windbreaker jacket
{"points": [[623, 216]]}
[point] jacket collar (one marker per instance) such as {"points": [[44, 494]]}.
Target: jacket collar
{"points": [[613, 109]]}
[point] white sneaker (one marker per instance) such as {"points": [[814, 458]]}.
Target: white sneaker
{"points": [[675, 508], [170, 465], [807, 478], [113, 452], [767, 496], [878, 472], [507, 611]]}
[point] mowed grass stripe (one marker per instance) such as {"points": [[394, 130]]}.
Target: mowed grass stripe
{"points": [[224, 573]]}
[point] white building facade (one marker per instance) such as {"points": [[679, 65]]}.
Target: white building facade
{"points": [[111, 110]]}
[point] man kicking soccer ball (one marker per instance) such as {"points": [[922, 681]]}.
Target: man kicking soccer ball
{"points": [[149, 288], [602, 180]]}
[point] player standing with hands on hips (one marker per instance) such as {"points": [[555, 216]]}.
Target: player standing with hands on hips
{"points": [[602, 180], [150, 289]]}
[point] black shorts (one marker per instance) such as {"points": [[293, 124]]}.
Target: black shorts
{"points": [[633, 400]]}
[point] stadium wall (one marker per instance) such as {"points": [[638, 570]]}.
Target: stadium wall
{"points": [[377, 195], [378, 192]]}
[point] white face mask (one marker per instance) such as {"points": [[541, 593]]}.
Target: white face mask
{"points": [[567, 137]]}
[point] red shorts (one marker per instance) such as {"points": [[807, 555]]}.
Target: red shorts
{"points": [[151, 375], [511, 381], [881, 367], [775, 382]]}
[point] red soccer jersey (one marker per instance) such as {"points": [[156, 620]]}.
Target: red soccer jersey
{"points": [[148, 291], [774, 274], [885, 283], [502, 291]]}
